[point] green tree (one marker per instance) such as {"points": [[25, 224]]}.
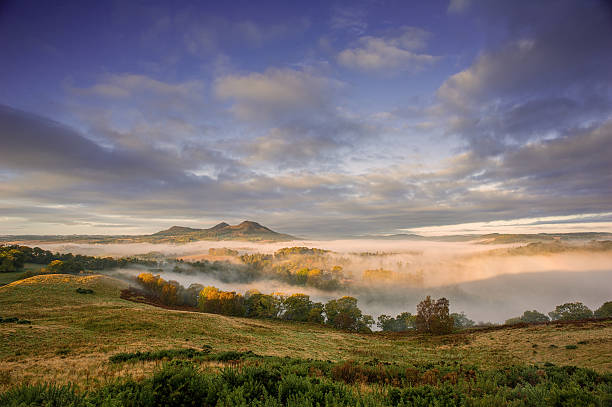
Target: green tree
{"points": [[605, 311], [461, 321], [262, 305], [513, 321], [316, 313], [534, 316], [571, 311], [343, 313], [297, 307], [400, 323]]}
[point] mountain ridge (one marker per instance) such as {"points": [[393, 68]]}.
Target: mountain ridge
{"points": [[246, 230]]}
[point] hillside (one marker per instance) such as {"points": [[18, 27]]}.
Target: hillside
{"points": [[72, 336], [247, 230]]}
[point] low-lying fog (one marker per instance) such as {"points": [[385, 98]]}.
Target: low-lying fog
{"points": [[486, 286]]}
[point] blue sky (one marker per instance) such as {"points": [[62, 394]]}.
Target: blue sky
{"points": [[319, 118]]}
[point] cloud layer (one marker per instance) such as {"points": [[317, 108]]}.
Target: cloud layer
{"points": [[349, 121]]}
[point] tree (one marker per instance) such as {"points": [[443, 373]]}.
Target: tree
{"points": [[605, 311], [571, 311], [513, 321], [534, 316], [401, 322], [528, 317], [297, 307], [208, 300], [461, 320], [262, 306], [433, 316], [11, 258], [343, 313], [316, 313]]}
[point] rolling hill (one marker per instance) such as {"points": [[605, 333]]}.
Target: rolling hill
{"points": [[72, 336], [246, 231]]}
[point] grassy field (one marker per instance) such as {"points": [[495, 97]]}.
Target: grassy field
{"points": [[6, 278], [72, 336]]}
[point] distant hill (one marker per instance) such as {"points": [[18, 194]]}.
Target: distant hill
{"points": [[500, 238], [505, 238], [410, 236], [247, 230]]}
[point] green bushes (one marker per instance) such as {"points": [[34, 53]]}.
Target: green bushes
{"points": [[15, 320], [84, 290], [271, 381], [187, 353]]}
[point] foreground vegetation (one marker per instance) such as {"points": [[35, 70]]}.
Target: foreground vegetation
{"points": [[72, 337], [295, 382]]}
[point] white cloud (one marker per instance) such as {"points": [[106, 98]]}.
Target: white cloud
{"points": [[126, 85], [275, 93], [393, 54]]}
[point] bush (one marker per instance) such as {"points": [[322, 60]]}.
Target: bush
{"points": [[271, 381], [187, 353]]}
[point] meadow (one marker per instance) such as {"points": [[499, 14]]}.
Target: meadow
{"points": [[72, 337]]}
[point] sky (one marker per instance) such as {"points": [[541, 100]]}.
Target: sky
{"points": [[318, 119]]}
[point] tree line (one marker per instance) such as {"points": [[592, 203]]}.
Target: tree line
{"points": [[570, 311], [432, 316], [14, 257], [342, 313]]}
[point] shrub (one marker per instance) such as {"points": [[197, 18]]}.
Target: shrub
{"points": [[187, 353]]}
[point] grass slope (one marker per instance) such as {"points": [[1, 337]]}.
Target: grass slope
{"points": [[72, 336]]}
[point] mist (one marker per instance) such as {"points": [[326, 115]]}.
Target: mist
{"points": [[483, 281]]}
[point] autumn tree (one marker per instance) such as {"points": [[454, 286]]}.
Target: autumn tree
{"points": [[433, 316]]}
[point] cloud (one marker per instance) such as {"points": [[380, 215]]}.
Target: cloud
{"points": [[389, 54], [350, 19], [458, 6], [539, 81], [276, 94], [203, 35], [52, 173], [320, 143], [128, 85]]}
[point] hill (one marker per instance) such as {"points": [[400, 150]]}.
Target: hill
{"points": [[73, 335], [246, 231]]}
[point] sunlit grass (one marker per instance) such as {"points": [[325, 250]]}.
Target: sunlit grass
{"points": [[72, 336]]}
